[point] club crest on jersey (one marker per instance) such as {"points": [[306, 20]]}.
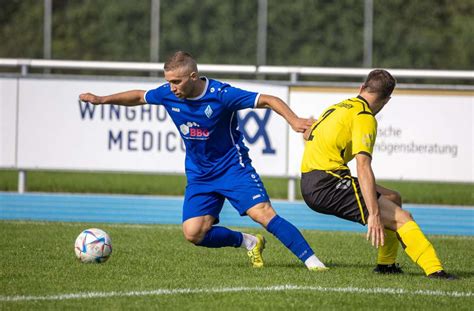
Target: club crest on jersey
{"points": [[208, 111], [368, 140]]}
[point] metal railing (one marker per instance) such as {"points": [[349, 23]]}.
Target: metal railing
{"points": [[26, 65], [293, 72]]}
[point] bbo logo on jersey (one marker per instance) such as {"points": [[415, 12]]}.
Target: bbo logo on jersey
{"points": [[192, 130]]}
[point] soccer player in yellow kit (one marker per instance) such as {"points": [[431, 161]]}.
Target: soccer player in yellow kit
{"points": [[345, 131]]}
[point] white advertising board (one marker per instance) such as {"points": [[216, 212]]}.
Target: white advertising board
{"points": [[56, 131], [265, 132], [8, 118], [422, 135]]}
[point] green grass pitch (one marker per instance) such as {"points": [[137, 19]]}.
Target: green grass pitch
{"points": [[153, 267]]}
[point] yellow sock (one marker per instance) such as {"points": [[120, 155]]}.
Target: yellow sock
{"points": [[419, 248], [388, 252]]}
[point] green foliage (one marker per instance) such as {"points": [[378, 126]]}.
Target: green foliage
{"points": [[38, 260], [215, 32], [101, 30], [21, 28], [429, 34], [315, 33], [423, 34]]}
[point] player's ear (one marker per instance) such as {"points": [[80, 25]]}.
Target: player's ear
{"points": [[193, 75]]}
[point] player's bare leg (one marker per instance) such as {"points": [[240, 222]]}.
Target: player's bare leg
{"points": [[194, 229], [201, 232], [416, 245], [387, 254]]}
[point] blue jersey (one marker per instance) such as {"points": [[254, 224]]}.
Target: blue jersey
{"points": [[208, 125]]}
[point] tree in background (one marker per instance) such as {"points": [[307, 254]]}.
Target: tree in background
{"points": [[21, 28], [215, 32], [434, 34], [101, 30], [428, 34], [316, 33]]}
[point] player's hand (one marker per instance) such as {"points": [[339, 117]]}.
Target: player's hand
{"points": [[91, 98], [300, 125], [375, 231], [307, 132]]}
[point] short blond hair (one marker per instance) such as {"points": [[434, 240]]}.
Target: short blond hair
{"points": [[181, 59]]}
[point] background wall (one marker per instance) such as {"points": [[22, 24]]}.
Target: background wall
{"points": [[422, 135]]}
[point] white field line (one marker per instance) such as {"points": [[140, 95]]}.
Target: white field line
{"points": [[277, 288]]}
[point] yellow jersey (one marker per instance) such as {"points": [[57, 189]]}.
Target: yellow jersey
{"points": [[341, 131]]}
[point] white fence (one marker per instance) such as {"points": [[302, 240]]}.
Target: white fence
{"points": [[26, 64], [423, 135]]}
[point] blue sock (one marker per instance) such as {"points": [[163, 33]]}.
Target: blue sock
{"points": [[221, 237], [291, 237]]}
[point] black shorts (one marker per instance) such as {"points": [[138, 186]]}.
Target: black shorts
{"points": [[334, 193]]}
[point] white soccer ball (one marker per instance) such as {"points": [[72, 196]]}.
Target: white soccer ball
{"points": [[93, 246]]}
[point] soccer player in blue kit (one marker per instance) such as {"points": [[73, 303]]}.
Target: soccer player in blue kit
{"points": [[217, 163]]}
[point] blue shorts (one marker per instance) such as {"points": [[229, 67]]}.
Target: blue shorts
{"points": [[240, 185]]}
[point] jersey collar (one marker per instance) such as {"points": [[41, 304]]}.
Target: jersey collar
{"points": [[363, 99], [365, 102]]}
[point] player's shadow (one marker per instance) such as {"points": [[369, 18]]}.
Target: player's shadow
{"points": [[462, 274], [344, 265], [332, 264]]}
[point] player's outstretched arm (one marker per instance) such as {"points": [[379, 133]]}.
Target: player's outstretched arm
{"points": [[375, 227], [279, 106], [129, 98]]}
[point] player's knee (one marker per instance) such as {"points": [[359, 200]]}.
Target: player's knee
{"points": [[195, 234], [404, 217], [262, 213], [193, 237], [407, 215]]}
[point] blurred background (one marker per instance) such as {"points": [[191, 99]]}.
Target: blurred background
{"points": [[423, 34]]}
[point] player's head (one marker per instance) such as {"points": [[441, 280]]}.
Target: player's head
{"points": [[182, 74], [379, 84]]}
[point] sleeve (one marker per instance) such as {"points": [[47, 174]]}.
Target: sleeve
{"points": [[155, 96], [238, 99], [364, 133]]}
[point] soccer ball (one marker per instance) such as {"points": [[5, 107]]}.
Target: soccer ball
{"points": [[93, 245]]}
